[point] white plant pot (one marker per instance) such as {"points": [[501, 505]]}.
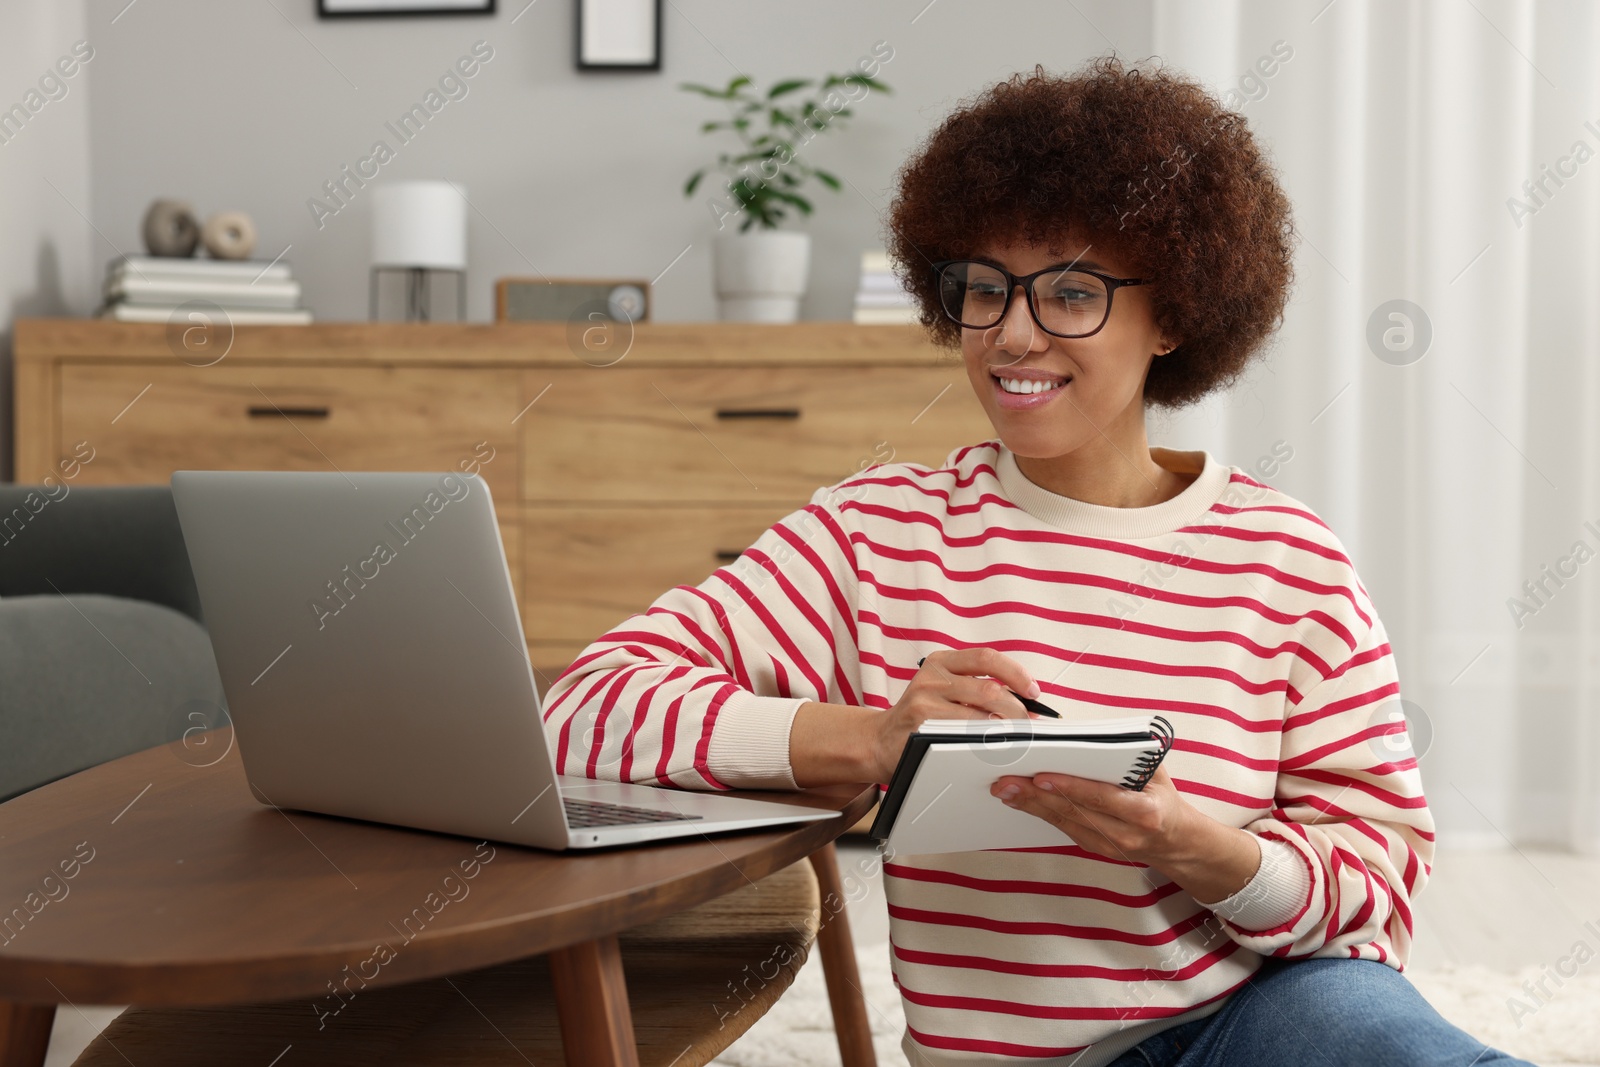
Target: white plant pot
{"points": [[761, 274]]}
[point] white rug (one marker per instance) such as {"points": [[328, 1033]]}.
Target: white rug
{"points": [[798, 1031]]}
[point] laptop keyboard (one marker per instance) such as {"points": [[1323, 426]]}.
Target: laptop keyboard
{"points": [[586, 813]]}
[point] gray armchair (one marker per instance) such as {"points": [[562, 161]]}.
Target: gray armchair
{"points": [[102, 647]]}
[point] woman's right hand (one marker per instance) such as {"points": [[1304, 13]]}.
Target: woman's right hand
{"points": [[968, 683]]}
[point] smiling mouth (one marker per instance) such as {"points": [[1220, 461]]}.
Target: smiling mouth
{"points": [[1026, 386]]}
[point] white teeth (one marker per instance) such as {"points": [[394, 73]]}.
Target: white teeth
{"points": [[1029, 385]]}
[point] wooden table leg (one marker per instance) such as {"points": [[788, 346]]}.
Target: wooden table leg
{"points": [[839, 965], [25, 1033], [592, 1003]]}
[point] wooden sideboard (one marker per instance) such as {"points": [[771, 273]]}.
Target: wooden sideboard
{"points": [[620, 466]]}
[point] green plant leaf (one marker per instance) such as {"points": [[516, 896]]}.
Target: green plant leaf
{"points": [[769, 131], [704, 90], [747, 192], [787, 87], [798, 201]]}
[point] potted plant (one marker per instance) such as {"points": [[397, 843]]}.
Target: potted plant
{"points": [[761, 269]]}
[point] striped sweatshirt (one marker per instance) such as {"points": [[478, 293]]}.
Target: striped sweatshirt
{"points": [[1230, 609]]}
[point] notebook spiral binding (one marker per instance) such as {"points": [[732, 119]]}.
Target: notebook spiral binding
{"points": [[1145, 766]]}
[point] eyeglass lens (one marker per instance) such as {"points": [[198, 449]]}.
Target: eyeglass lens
{"points": [[1067, 302]]}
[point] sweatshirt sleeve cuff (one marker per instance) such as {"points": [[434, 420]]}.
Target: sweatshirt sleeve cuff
{"points": [[1277, 893], [750, 742]]}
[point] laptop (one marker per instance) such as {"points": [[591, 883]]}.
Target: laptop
{"points": [[372, 656]]}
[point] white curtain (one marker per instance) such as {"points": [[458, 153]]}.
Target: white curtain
{"points": [[1404, 133]]}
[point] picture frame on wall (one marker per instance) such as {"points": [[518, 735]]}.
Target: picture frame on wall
{"points": [[618, 34], [339, 9]]}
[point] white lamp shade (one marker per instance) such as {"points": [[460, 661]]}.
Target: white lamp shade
{"points": [[419, 224]]}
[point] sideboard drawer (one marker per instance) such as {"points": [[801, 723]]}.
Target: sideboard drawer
{"points": [[146, 420], [735, 435], [587, 569]]}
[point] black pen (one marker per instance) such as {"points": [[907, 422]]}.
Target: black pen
{"points": [[1027, 702]]}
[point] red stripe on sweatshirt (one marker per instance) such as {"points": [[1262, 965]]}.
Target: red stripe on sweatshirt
{"points": [[1240, 533], [929, 636], [1170, 559], [718, 612], [1228, 509], [1370, 696], [1042, 928], [990, 608], [958, 961], [779, 633], [619, 682], [1091, 579], [1363, 736], [991, 1048], [1347, 781], [950, 508], [841, 604], [703, 746], [1047, 1011], [1031, 886], [824, 631]]}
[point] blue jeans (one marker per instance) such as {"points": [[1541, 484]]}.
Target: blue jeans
{"points": [[1319, 1013]]}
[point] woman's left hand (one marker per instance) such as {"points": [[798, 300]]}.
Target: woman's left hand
{"points": [[1147, 826], [1155, 826]]}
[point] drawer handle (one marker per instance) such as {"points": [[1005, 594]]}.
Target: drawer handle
{"points": [[758, 413], [728, 555], [259, 412]]}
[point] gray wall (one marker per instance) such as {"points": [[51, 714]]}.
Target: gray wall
{"points": [[237, 106], [45, 246], [255, 105]]}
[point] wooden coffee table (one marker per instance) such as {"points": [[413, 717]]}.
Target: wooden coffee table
{"points": [[157, 879]]}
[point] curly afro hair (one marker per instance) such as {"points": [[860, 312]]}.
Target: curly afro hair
{"points": [[1148, 164]]}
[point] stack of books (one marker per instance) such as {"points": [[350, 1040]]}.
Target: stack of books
{"points": [[153, 288], [881, 300]]}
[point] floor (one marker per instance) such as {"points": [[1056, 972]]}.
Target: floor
{"points": [[1504, 909]]}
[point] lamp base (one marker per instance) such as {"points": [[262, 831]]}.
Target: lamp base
{"points": [[412, 294]]}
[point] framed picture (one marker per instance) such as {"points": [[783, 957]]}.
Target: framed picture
{"points": [[619, 34], [338, 9]]}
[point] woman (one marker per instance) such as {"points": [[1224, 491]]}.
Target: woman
{"points": [[1092, 244]]}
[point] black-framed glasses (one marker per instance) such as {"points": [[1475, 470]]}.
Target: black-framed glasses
{"points": [[1066, 301]]}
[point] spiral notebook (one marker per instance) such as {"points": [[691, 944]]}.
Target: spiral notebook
{"points": [[938, 798]]}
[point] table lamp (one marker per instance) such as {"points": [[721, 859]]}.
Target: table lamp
{"points": [[419, 231]]}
